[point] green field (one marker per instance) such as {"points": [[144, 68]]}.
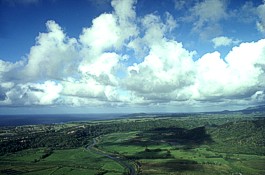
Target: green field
{"points": [[187, 145], [162, 157], [72, 161]]}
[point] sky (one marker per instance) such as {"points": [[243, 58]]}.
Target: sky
{"points": [[129, 56]]}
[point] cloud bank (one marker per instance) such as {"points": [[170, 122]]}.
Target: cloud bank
{"points": [[125, 60]]}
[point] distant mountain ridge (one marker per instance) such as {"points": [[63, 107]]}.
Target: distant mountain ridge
{"points": [[260, 108], [249, 110]]}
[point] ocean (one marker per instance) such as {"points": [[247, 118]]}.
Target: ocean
{"points": [[19, 120]]}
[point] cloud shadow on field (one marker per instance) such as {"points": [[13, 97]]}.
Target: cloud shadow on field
{"points": [[173, 136]]}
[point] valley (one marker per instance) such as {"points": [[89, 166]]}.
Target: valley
{"points": [[213, 143]]}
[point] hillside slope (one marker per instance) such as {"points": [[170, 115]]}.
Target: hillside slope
{"points": [[240, 137]]}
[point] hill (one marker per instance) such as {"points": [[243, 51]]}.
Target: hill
{"points": [[241, 136]]}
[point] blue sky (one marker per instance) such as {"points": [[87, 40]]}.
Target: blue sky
{"points": [[131, 56]]}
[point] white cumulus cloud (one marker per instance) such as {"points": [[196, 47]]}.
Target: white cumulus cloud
{"points": [[223, 41], [140, 66], [33, 94], [261, 14], [206, 17], [241, 74], [53, 56]]}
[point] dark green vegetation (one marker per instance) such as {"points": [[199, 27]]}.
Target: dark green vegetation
{"points": [[226, 143]]}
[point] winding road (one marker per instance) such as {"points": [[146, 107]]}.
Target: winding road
{"points": [[117, 159]]}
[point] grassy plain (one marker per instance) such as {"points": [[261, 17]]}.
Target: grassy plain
{"points": [[163, 157], [72, 161]]}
